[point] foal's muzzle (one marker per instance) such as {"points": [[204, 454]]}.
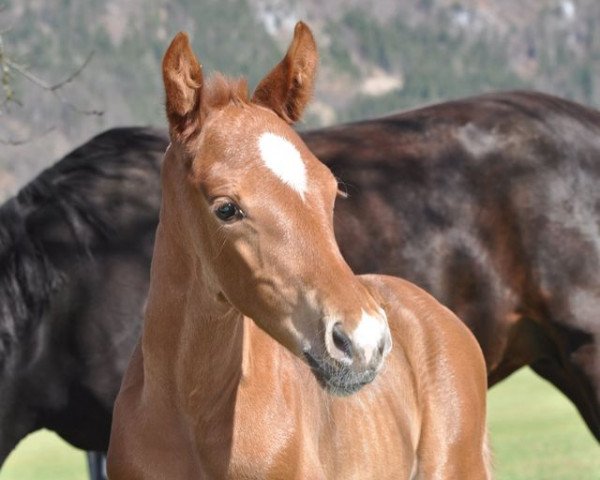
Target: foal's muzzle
{"points": [[339, 379], [351, 360]]}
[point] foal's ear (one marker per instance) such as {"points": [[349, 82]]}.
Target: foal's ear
{"points": [[288, 87], [182, 76]]}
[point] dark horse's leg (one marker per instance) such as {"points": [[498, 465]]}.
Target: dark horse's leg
{"points": [[563, 356], [575, 385], [97, 465], [572, 369]]}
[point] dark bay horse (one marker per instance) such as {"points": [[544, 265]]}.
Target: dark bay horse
{"points": [[75, 249], [490, 203], [249, 293]]}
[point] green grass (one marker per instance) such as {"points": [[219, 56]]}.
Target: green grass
{"points": [[536, 435], [45, 456]]}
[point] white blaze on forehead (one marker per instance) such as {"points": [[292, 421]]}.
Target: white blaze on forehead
{"points": [[284, 160], [369, 333]]}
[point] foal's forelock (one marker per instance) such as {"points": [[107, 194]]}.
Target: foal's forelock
{"points": [[221, 91]]}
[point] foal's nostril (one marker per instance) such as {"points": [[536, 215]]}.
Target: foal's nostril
{"points": [[341, 340], [381, 347], [384, 346]]}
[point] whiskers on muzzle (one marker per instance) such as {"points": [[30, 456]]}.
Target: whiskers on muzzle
{"points": [[336, 377]]}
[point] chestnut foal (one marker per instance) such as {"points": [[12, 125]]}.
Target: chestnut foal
{"points": [[262, 354]]}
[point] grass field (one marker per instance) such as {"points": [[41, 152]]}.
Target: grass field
{"points": [[44, 456], [536, 435]]}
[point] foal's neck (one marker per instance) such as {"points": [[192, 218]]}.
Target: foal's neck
{"points": [[193, 342]]}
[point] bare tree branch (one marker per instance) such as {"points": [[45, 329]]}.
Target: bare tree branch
{"points": [[6, 78], [54, 88], [43, 84], [22, 141], [8, 66]]}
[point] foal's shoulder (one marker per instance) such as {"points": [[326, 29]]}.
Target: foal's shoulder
{"points": [[440, 349], [417, 318], [406, 299]]}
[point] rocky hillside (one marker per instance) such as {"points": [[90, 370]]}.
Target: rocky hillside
{"points": [[376, 56]]}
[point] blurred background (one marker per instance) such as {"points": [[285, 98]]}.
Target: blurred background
{"points": [[377, 56]]}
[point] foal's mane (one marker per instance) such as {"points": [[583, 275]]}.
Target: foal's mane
{"points": [[221, 91], [74, 197]]}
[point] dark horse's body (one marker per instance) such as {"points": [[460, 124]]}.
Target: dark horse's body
{"points": [[75, 250], [490, 203]]}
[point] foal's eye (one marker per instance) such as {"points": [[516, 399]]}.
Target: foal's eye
{"points": [[228, 212]]}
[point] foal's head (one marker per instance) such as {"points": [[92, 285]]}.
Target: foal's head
{"points": [[254, 208]]}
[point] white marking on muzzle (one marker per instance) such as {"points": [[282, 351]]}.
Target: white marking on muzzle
{"points": [[370, 333], [284, 160]]}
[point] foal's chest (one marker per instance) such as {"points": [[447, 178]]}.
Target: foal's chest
{"points": [[287, 434]]}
